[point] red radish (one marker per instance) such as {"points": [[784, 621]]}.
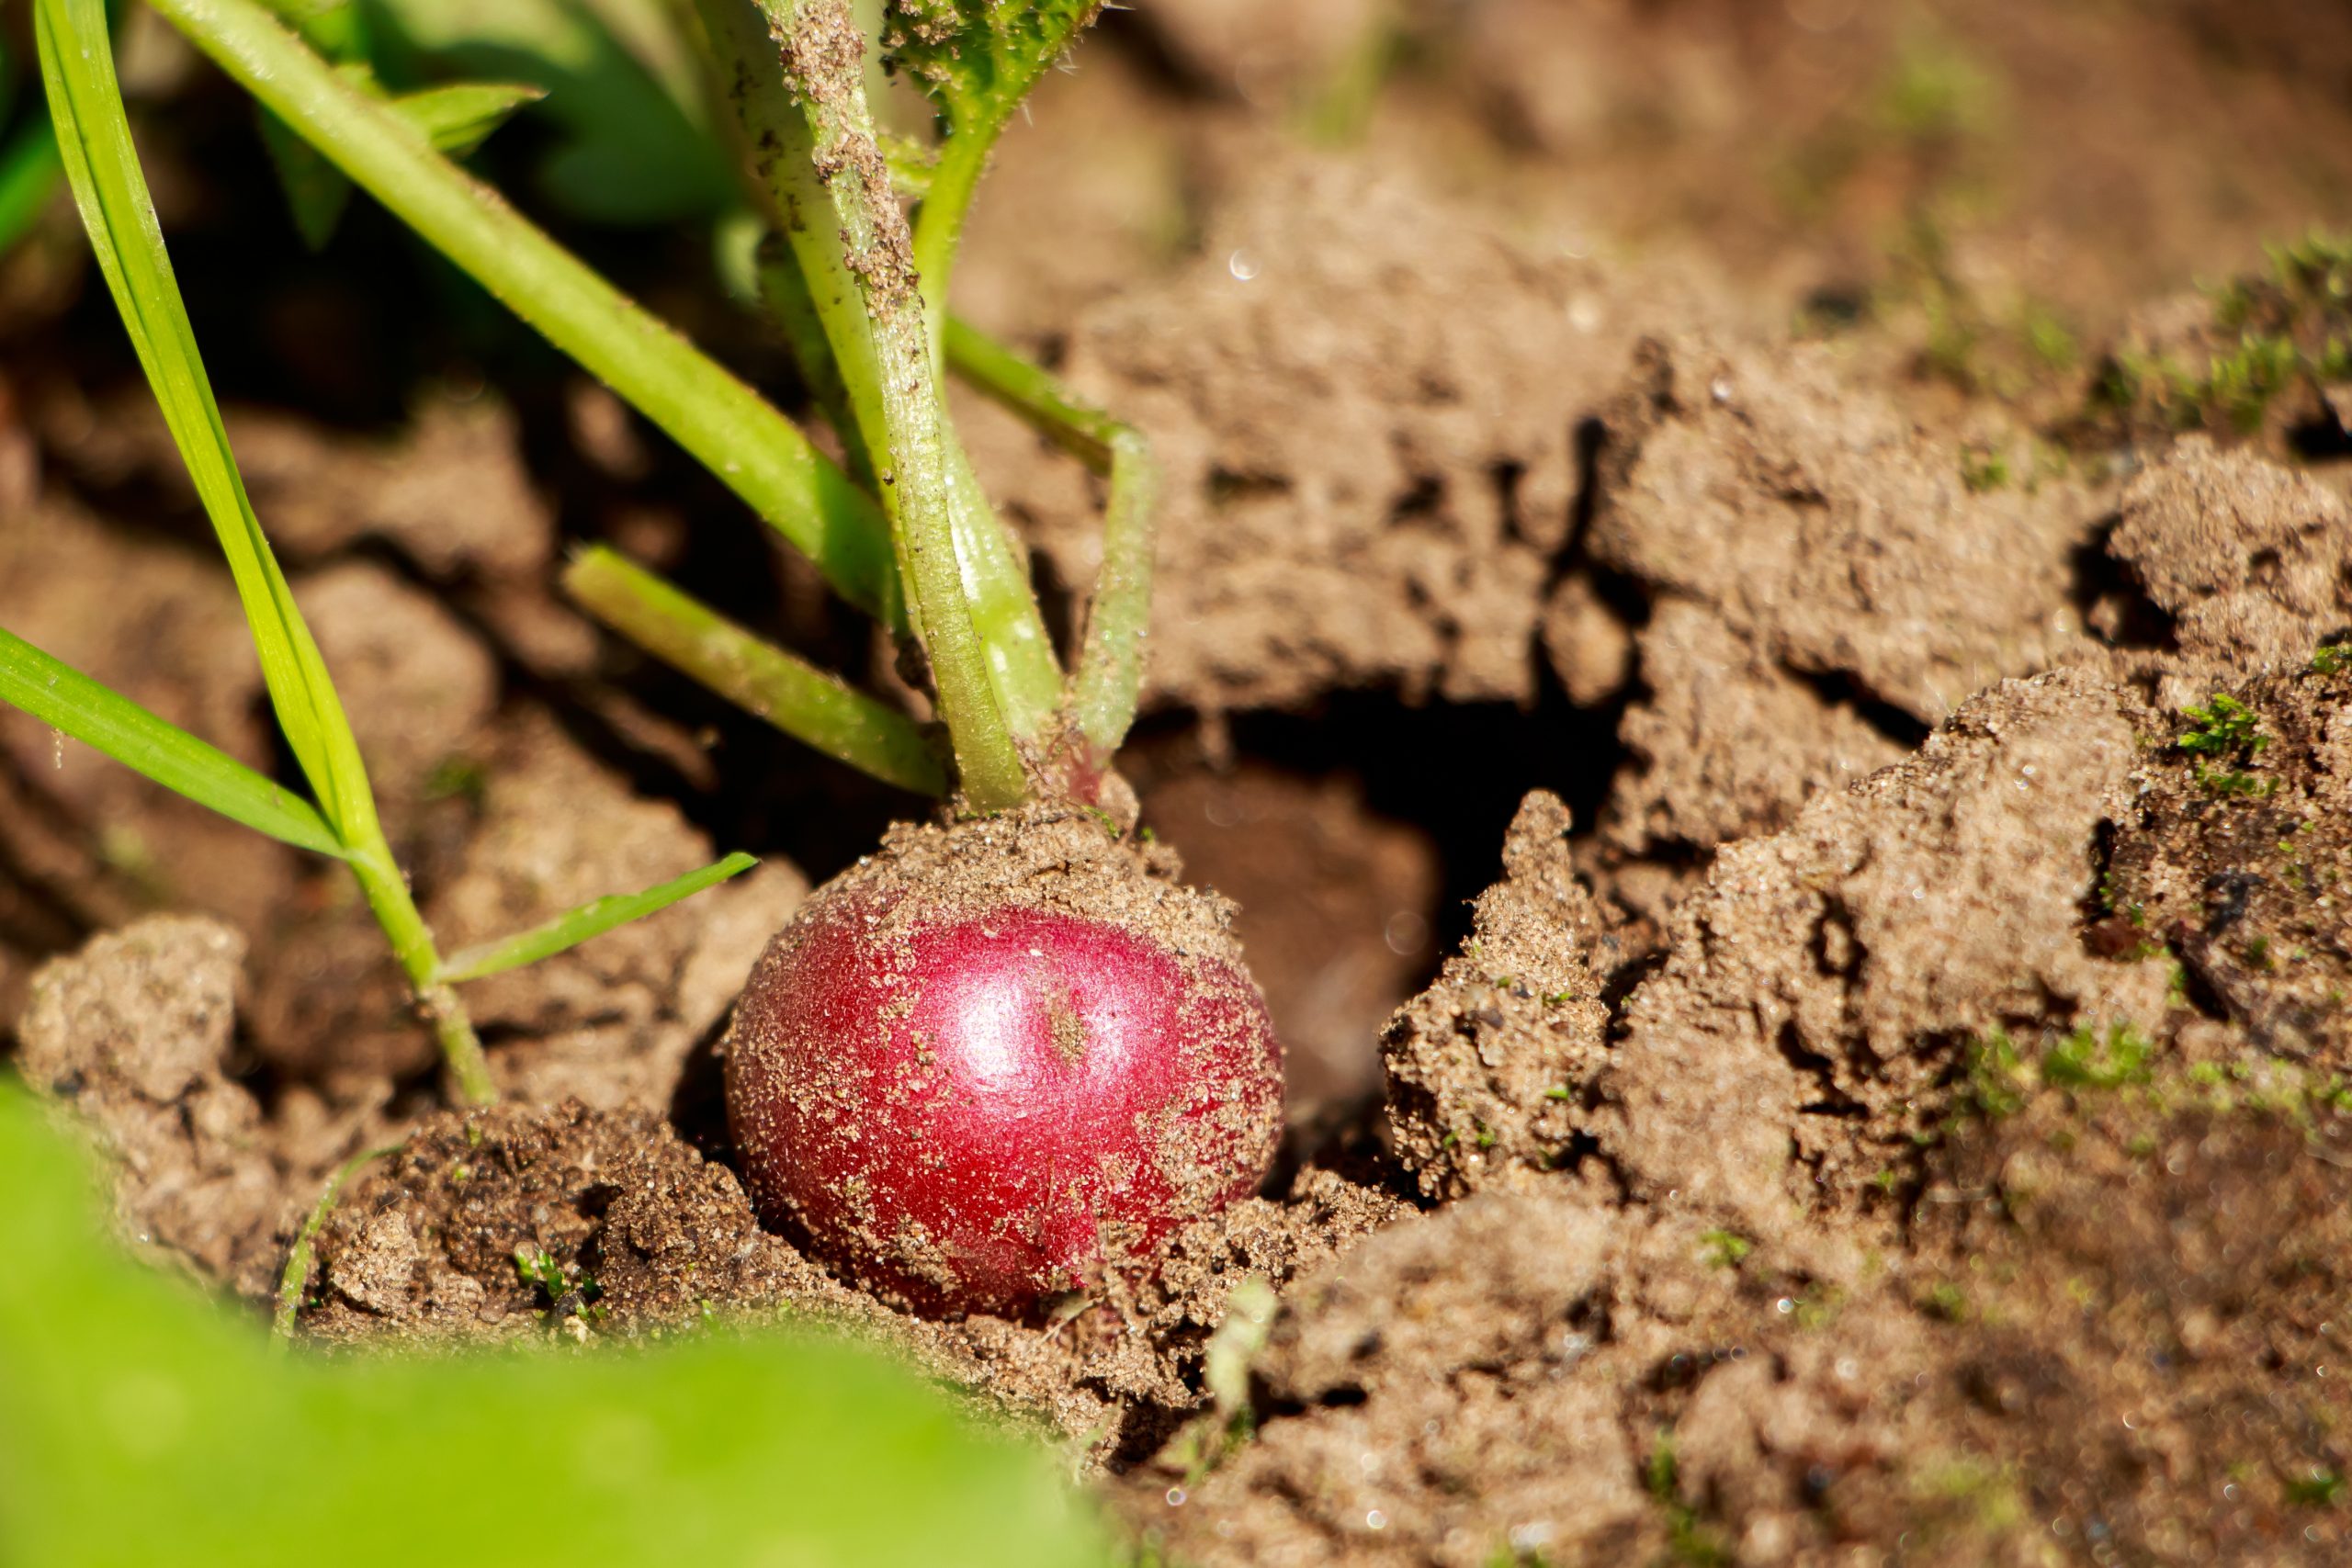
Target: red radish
{"points": [[1000, 1061]]}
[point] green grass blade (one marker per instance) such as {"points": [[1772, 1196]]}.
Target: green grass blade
{"points": [[576, 926], [803, 701], [736, 433], [102, 166], [58, 694], [296, 1276]]}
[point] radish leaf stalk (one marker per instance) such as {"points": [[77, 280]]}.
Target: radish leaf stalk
{"points": [[1107, 682], [804, 702], [800, 128], [830, 188]]}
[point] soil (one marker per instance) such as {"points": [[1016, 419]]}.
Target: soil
{"points": [[1771, 710]]}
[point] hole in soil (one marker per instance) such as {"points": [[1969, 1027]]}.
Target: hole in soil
{"points": [[2320, 440], [1354, 838], [2109, 598], [1839, 689]]}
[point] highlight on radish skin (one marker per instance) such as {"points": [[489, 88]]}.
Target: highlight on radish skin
{"points": [[1001, 1060]]}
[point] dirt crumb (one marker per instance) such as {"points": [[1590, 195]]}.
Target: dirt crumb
{"points": [[2246, 558], [1485, 1066], [133, 1034]]}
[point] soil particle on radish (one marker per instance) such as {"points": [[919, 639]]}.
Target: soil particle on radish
{"points": [[1001, 1060], [1485, 1067]]}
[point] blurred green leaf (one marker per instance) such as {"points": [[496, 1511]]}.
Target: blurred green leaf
{"points": [[56, 693], [336, 28], [576, 926], [146, 1426], [29, 170], [978, 59], [102, 166], [316, 191], [459, 117], [632, 147]]}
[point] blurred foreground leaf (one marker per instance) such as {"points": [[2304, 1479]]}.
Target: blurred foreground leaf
{"points": [[144, 1426]]}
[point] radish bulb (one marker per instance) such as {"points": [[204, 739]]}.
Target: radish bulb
{"points": [[1000, 1061]]}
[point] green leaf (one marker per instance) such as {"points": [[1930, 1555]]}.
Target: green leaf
{"points": [[336, 28], [576, 926], [146, 1425], [316, 191], [978, 59], [102, 166], [622, 95], [459, 117], [59, 694]]}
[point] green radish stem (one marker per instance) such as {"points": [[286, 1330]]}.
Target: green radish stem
{"points": [[783, 290], [797, 698], [828, 189], [797, 144], [743, 440], [939, 221], [1107, 682]]}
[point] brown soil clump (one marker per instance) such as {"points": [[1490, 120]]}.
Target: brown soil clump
{"points": [[1825, 582], [1371, 461], [2246, 559], [612, 1020], [522, 1221], [1823, 978], [133, 1034], [1484, 1066]]}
